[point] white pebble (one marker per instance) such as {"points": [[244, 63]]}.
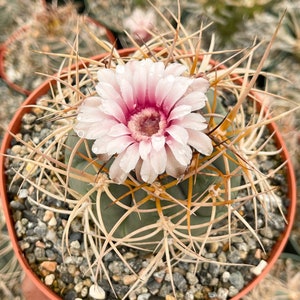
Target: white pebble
{"points": [[23, 193], [97, 292], [49, 279], [52, 221], [259, 268], [225, 276]]}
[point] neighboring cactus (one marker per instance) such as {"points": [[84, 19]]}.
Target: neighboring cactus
{"points": [[14, 13], [42, 44]]}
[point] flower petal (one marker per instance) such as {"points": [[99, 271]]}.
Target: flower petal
{"points": [[130, 158], [158, 160], [179, 111], [163, 88], [115, 172], [173, 167], [178, 133], [119, 144], [200, 141], [127, 94], [194, 99], [147, 172], [175, 69], [118, 130], [140, 84], [155, 73], [180, 86], [194, 121], [107, 75], [200, 84], [182, 153], [144, 149], [158, 142], [90, 130]]}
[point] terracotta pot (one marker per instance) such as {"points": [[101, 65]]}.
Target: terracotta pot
{"points": [[32, 277], [18, 34]]}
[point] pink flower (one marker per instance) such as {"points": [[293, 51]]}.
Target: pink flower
{"points": [[139, 24], [146, 113]]}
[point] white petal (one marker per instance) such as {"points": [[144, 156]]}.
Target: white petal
{"points": [[163, 88], [90, 102], [200, 84], [140, 86], [180, 86], [119, 144], [178, 133], [158, 160], [158, 142], [115, 172], [182, 153], [179, 111], [112, 102], [147, 172], [194, 121], [155, 74], [200, 141], [90, 131], [107, 91], [130, 158], [194, 99], [100, 145], [173, 167], [113, 109], [175, 69], [127, 94], [144, 149], [118, 130], [107, 75]]}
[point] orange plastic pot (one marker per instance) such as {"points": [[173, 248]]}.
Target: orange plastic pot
{"points": [[33, 280]]}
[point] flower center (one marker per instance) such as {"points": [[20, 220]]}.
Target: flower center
{"points": [[146, 123]]}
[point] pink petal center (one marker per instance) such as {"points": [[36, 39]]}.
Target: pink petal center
{"points": [[146, 123]]}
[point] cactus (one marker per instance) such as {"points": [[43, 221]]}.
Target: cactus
{"points": [[173, 217], [13, 14], [43, 42]]}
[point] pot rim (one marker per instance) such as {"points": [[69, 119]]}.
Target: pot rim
{"points": [[42, 90]]}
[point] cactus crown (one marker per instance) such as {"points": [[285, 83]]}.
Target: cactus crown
{"points": [[172, 216]]}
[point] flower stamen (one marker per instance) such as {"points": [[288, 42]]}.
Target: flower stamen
{"points": [[146, 123]]}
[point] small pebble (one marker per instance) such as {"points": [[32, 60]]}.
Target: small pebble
{"points": [[259, 268], [78, 287], [144, 296], [222, 293], [233, 291], [52, 222], [49, 265], [180, 281], [23, 193], [49, 279], [237, 280], [97, 292], [48, 215], [225, 276], [191, 278], [129, 279]]}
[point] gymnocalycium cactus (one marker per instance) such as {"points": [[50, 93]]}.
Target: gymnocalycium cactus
{"points": [[149, 156], [155, 148]]}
